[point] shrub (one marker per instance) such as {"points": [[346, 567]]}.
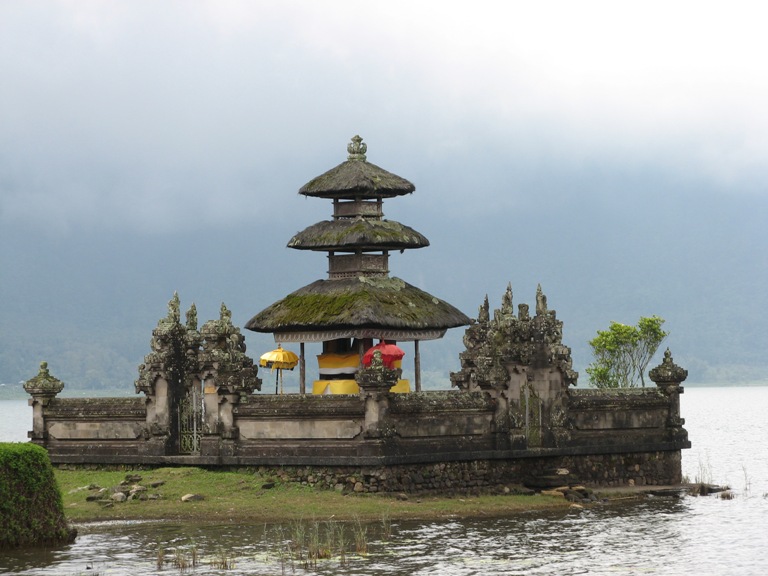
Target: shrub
{"points": [[31, 510]]}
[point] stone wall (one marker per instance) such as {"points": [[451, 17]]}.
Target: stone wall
{"points": [[446, 440], [621, 469]]}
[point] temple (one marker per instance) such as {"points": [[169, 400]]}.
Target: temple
{"points": [[359, 302], [511, 414]]}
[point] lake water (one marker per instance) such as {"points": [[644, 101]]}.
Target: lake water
{"points": [[659, 536]]}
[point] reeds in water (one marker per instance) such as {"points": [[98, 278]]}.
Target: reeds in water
{"points": [[361, 536]]}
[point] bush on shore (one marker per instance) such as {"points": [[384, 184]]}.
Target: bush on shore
{"points": [[31, 509]]}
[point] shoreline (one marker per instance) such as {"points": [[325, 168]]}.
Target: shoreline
{"points": [[243, 497]]}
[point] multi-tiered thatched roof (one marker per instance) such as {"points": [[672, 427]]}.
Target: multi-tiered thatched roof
{"points": [[360, 299]]}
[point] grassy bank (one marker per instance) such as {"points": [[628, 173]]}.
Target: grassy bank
{"points": [[247, 497]]}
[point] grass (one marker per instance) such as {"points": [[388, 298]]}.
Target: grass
{"points": [[236, 496]]}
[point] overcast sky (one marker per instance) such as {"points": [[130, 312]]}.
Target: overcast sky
{"points": [[573, 123], [145, 114]]}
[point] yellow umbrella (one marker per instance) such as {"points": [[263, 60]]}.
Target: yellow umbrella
{"points": [[279, 359]]}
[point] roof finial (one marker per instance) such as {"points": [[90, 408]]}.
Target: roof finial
{"points": [[357, 149]]}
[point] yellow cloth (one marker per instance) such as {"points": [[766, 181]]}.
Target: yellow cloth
{"points": [[346, 365], [351, 387], [338, 364]]}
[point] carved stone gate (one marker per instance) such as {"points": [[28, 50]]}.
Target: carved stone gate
{"points": [[172, 377]]}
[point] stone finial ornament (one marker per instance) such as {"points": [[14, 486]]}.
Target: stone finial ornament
{"points": [[506, 301], [357, 149], [668, 372], [44, 384], [192, 317], [541, 301], [173, 308], [483, 314], [377, 377], [223, 356]]}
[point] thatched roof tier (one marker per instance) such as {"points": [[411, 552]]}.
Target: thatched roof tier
{"points": [[357, 178], [359, 233], [358, 307]]}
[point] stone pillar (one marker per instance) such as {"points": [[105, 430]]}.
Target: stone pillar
{"points": [[416, 366], [43, 388], [209, 442], [227, 403], [668, 376], [302, 370], [228, 432], [375, 382], [157, 426], [159, 408]]}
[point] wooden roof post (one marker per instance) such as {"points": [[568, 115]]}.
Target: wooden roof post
{"points": [[417, 366], [302, 370]]}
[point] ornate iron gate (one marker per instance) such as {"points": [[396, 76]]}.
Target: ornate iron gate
{"points": [[191, 421]]}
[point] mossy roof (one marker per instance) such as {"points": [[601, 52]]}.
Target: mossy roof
{"points": [[364, 302], [358, 233], [357, 178]]}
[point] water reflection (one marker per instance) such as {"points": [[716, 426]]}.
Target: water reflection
{"points": [[631, 538], [657, 536], [689, 536]]}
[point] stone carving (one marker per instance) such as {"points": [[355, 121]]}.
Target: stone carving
{"points": [[494, 345], [181, 353], [377, 377], [43, 389], [668, 376], [44, 384], [167, 345], [357, 149], [374, 382], [182, 359], [223, 356], [541, 301], [668, 372], [192, 318], [482, 314]]}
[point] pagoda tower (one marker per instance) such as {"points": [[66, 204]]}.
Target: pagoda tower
{"points": [[359, 301]]}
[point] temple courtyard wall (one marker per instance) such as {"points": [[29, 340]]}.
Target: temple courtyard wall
{"points": [[428, 441]]}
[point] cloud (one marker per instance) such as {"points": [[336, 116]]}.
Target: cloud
{"points": [[149, 115]]}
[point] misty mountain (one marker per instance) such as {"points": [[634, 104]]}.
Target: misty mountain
{"points": [[86, 301]]}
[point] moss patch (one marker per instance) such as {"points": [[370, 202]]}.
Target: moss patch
{"points": [[362, 233], [31, 510], [358, 302]]}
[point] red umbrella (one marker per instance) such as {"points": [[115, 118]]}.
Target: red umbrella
{"points": [[389, 354]]}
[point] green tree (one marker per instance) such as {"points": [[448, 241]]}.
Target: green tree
{"points": [[622, 353]]}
